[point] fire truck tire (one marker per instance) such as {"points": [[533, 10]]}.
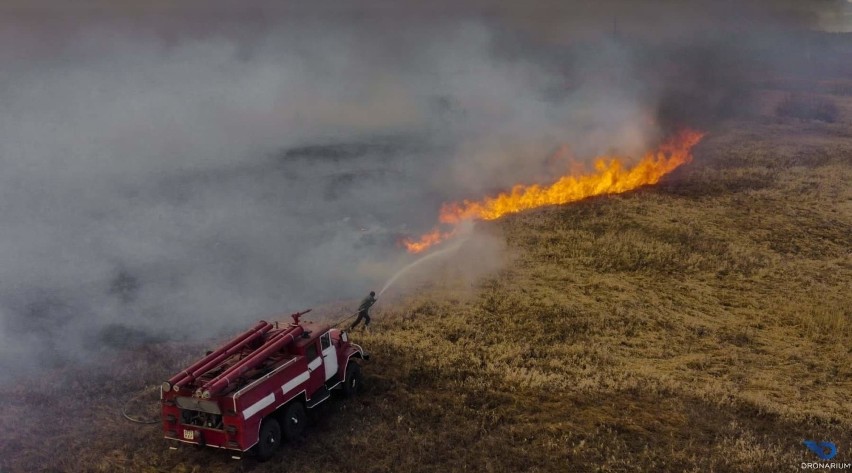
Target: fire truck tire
{"points": [[353, 380], [270, 439], [294, 420]]}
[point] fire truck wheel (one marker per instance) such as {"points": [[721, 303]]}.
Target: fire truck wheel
{"points": [[294, 421], [353, 380], [270, 439]]}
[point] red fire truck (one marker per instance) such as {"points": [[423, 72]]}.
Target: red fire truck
{"points": [[254, 390]]}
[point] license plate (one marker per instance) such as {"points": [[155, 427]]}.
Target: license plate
{"points": [[189, 434]]}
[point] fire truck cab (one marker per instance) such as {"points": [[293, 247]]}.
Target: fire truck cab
{"points": [[253, 391]]}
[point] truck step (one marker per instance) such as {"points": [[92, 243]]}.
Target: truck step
{"points": [[333, 381], [321, 395]]}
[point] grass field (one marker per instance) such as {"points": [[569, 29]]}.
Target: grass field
{"points": [[701, 325]]}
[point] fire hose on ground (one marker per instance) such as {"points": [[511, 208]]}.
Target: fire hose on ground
{"points": [[134, 398]]}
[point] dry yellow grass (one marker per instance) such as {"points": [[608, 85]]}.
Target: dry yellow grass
{"points": [[702, 325]]}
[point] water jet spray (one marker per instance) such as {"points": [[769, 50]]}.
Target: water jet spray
{"points": [[417, 262]]}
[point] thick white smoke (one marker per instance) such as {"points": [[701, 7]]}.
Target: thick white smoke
{"points": [[185, 169]]}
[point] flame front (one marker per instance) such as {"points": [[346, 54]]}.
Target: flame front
{"points": [[427, 240], [611, 176]]}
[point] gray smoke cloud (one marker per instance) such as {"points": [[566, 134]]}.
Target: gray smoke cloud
{"points": [[180, 169]]}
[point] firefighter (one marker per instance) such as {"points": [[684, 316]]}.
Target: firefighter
{"points": [[364, 311]]}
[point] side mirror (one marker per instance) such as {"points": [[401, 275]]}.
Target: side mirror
{"points": [[344, 336]]}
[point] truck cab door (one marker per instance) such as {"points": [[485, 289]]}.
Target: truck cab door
{"points": [[329, 356]]}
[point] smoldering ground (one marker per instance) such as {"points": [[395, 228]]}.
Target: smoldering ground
{"points": [[179, 170]]}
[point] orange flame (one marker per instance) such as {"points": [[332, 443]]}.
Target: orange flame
{"points": [[610, 177], [427, 240]]}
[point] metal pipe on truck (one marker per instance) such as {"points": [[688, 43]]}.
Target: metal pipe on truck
{"points": [[220, 358], [260, 328], [257, 357]]}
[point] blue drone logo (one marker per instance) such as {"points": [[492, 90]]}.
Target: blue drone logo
{"points": [[824, 450]]}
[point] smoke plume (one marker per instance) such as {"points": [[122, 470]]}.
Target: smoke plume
{"points": [[180, 169]]}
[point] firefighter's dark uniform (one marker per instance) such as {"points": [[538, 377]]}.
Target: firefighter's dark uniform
{"points": [[364, 311]]}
